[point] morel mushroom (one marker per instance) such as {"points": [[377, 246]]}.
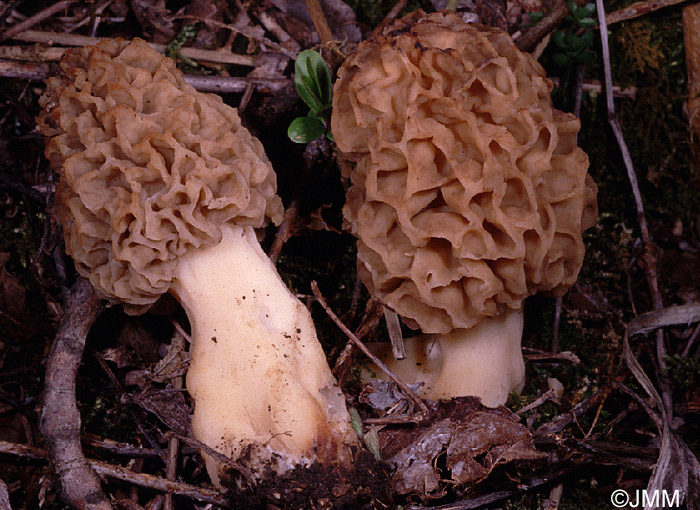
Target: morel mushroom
{"points": [[160, 190], [468, 194]]}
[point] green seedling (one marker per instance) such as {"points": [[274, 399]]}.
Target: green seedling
{"points": [[312, 79], [574, 48], [581, 16]]}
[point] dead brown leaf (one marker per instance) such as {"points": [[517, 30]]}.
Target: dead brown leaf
{"points": [[169, 406], [155, 19], [473, 439]]}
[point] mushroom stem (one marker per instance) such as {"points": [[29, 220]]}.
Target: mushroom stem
{"points": [[258, 376], [484, 361]]}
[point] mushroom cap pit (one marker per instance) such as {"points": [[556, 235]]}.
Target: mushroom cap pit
{"points": [[468, 191], [149, 168]]}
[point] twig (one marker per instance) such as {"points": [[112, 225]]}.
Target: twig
{"points": [[37, 18], [645, 405], [173, 455], [649, 257], [639, 9], [235, 84], [117, 448], [553, 356], [65, 39], [421, 405], [124, 474], [33, 72], [393, 327], [597, 87], [538, 402], [391, 15], [23, 451], [160, 484], [124, 396], [319, 20], [531, 37], [60, 417], [262, 40], [691, 341], [552, 503], [560, 422], [219, 84], [8, 10], [213, 453]]}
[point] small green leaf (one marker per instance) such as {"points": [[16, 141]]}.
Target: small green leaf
{"points": [[558, 38], [589, 9], [572, 40], [355, 421], [305, 129], [584, 57], [586, 40], [313, 79], [587, 22], [372, 442], [561, 59]]}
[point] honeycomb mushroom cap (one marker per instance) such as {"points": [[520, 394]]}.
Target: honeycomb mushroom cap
{"points": [[468, 191], [149, 168]]}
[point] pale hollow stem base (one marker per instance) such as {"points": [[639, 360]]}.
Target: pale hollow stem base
{"points": [[258, 376], [484, 361]]}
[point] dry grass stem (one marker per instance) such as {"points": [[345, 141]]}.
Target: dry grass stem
{"points": [[649, 258], [404, 387]]}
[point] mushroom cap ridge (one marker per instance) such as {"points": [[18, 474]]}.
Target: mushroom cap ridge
{"points": [[149, 168], [468, 192]]}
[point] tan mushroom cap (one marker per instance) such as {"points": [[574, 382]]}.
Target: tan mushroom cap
{"points": [[468, 190], [149, 168]]}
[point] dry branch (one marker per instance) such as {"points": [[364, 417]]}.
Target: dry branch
{"points": [[37, 18], [639, 9], [65, 39], [33, 72], [218, 84], [160, 484], [529, 39], [124, 474], [60, 417]]}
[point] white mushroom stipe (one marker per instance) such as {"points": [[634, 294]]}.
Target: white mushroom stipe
{"points": [[485, 360], [258, 374]]}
